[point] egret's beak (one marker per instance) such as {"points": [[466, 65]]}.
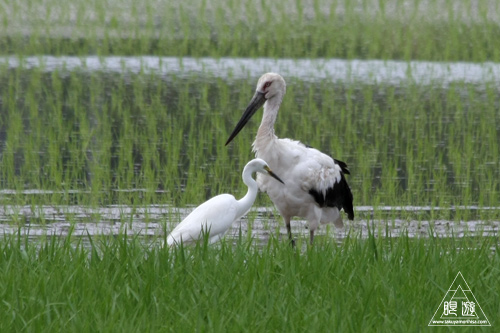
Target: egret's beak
{"points": [[257, 101], [272, 174]]}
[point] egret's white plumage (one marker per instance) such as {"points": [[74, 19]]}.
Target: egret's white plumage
{"points": [[215, 216], [314, 184]]}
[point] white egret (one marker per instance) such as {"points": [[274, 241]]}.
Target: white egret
{"points": [[215, 216], [314, 184]]}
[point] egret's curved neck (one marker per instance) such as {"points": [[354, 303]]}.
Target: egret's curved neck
{"points": [[247, 201]]}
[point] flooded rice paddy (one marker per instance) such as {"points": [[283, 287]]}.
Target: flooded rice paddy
{"points": [[153, 222], [113, 120], [454, 169]]}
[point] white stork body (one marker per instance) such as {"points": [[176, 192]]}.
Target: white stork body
{"points": [[215, 216], [314, 184], [314, 169]]}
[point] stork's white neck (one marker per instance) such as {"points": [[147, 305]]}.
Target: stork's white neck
{"points": [[265, 134]]}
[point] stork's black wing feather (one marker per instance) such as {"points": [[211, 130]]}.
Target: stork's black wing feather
{"points": [[343, 166], [339, 195]]}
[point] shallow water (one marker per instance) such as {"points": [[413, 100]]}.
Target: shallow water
{"points": [[389, 72], [151, 223]]}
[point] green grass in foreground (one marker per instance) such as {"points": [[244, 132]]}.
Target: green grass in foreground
{"points": [[121, 285], [377, 29]]}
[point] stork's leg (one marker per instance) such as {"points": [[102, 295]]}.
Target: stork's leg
{"points": [[311, 235], [289, 230]]}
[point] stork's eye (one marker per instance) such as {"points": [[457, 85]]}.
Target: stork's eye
{"points": [[267, 84]]}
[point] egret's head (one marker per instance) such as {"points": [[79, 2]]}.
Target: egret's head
{"points": [[259, 165]]}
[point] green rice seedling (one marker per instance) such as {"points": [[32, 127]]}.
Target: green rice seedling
{"points": [[440, 31], [135, 138]]}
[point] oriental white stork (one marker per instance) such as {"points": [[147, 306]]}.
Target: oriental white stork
{"points": [[314, 185]]}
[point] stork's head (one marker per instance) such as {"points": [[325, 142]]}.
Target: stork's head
{"points": [[270, 86]]}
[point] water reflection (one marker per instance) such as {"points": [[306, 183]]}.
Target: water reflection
{"points": [[153, 222], [389, 72]]}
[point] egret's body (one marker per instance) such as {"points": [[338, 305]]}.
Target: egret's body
{"points": [[215, 216], [314, 184]]}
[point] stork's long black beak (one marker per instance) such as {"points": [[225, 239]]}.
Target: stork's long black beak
{"points": [[257, 101], [272, 174]]}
